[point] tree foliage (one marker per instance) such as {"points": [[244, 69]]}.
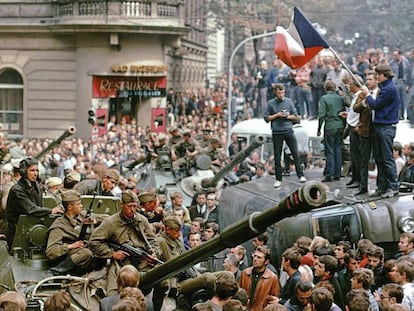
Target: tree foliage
{"points": [[377, 23]]}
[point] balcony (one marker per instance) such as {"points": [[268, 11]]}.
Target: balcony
{"points": [[74, 15]]}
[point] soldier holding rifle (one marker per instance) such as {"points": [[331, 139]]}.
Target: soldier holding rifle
{"points": [[128, 227], [64, 242]]}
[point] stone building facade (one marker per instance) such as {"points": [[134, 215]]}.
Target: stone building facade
{"points": [[59, 59]]}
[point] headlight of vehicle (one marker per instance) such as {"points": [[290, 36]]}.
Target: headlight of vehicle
{"points": [[406, 224]]}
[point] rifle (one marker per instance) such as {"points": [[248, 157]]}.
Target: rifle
{"points": [[84, 228], [138, 253], [135, 252]]}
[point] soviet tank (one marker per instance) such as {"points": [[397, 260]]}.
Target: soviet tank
{"points": [[343, 216], [36, 285]]}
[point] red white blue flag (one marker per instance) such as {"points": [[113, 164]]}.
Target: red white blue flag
{"points": [[297, 45]]}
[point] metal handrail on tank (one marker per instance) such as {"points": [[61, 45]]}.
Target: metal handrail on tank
{"points": [[237, 159], [311, 195], [68, 132]]}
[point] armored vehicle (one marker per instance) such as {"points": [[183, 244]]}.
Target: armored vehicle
{"points": [[33, 282], [342, 217]]}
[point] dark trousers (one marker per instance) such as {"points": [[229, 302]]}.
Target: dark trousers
{"points": [[383, 139], [354, 153], [317, 93], [364, 145], [290, 140], [333, 152]]}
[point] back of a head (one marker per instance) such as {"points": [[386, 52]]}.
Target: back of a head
{"points": [[275, 307], [226, 287], [321, 299], [59, 301], [233, 305], [127, 276], [127, 304], [357, 300], [12, 301]]}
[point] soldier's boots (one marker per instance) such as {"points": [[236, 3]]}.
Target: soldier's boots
{"points": [[63, 267]]}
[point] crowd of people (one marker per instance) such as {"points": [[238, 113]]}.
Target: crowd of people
{"points": [[313, 273]]}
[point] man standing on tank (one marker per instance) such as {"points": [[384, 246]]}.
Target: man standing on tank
{"points": [[281, 112], [384, 126]]}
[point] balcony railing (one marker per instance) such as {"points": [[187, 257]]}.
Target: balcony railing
{"points": [[143, 8]]}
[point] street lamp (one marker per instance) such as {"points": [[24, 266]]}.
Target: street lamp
{"points": [[230, 77]]}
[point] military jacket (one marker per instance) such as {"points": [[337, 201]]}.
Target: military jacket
{"points": [[62, 232], [170, 248], [137, 233]]}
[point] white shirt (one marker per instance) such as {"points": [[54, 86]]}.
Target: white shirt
{"points": [[353, 117]]}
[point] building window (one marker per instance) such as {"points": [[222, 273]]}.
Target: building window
{"points": [[11, 102]]}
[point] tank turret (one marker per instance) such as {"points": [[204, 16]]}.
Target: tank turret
{"points": [[310, 195], [194, 183], [69, 131]]}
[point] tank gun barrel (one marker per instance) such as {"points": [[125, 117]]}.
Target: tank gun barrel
{"points": [[69, 131], [310, 195], [237, 159]]}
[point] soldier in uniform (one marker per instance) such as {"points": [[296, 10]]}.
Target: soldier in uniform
{"points": [[129, 227], [149, 206], [71, 179], [63, 243], [25, 198], [103, 187], [54, 186], [205, 142], [160, 151], [175, 137], [171, 245], [183, 154], [215, 153]]}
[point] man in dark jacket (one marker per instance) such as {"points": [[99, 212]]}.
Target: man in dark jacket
{"points": [[25, 198], [386, 107]]}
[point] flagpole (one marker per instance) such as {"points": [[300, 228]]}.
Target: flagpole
{"points": [[345, 66], [230, 80]]}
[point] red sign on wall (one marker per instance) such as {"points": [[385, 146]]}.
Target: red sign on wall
{"points": [[158, 120], [113, 86]]}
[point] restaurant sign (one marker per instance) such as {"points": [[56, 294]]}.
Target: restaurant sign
{"points": [[116, 86]]}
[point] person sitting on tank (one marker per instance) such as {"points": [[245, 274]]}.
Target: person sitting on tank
{"points": [[162, 153], [149, 207], [65, 243], [72, 178], [183, 155], [129, 227], [105, 186], [54, 186], [215, 152], [25, 198], [171, 245]]}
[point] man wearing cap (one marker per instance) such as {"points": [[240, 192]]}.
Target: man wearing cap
{"points": [[54, 185], [128, 227], [71, 179], [215, 153], [104, 187], [149, 206], [162, 153], [171, 245], [175, 137], [63, 243], [183, 154], [205, 142], [25, 198]]}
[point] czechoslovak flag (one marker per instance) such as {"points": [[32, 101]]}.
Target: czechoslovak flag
{"points": [[297, 45]]}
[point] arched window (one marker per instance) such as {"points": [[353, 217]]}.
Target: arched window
{"points": [[11, 102]]}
